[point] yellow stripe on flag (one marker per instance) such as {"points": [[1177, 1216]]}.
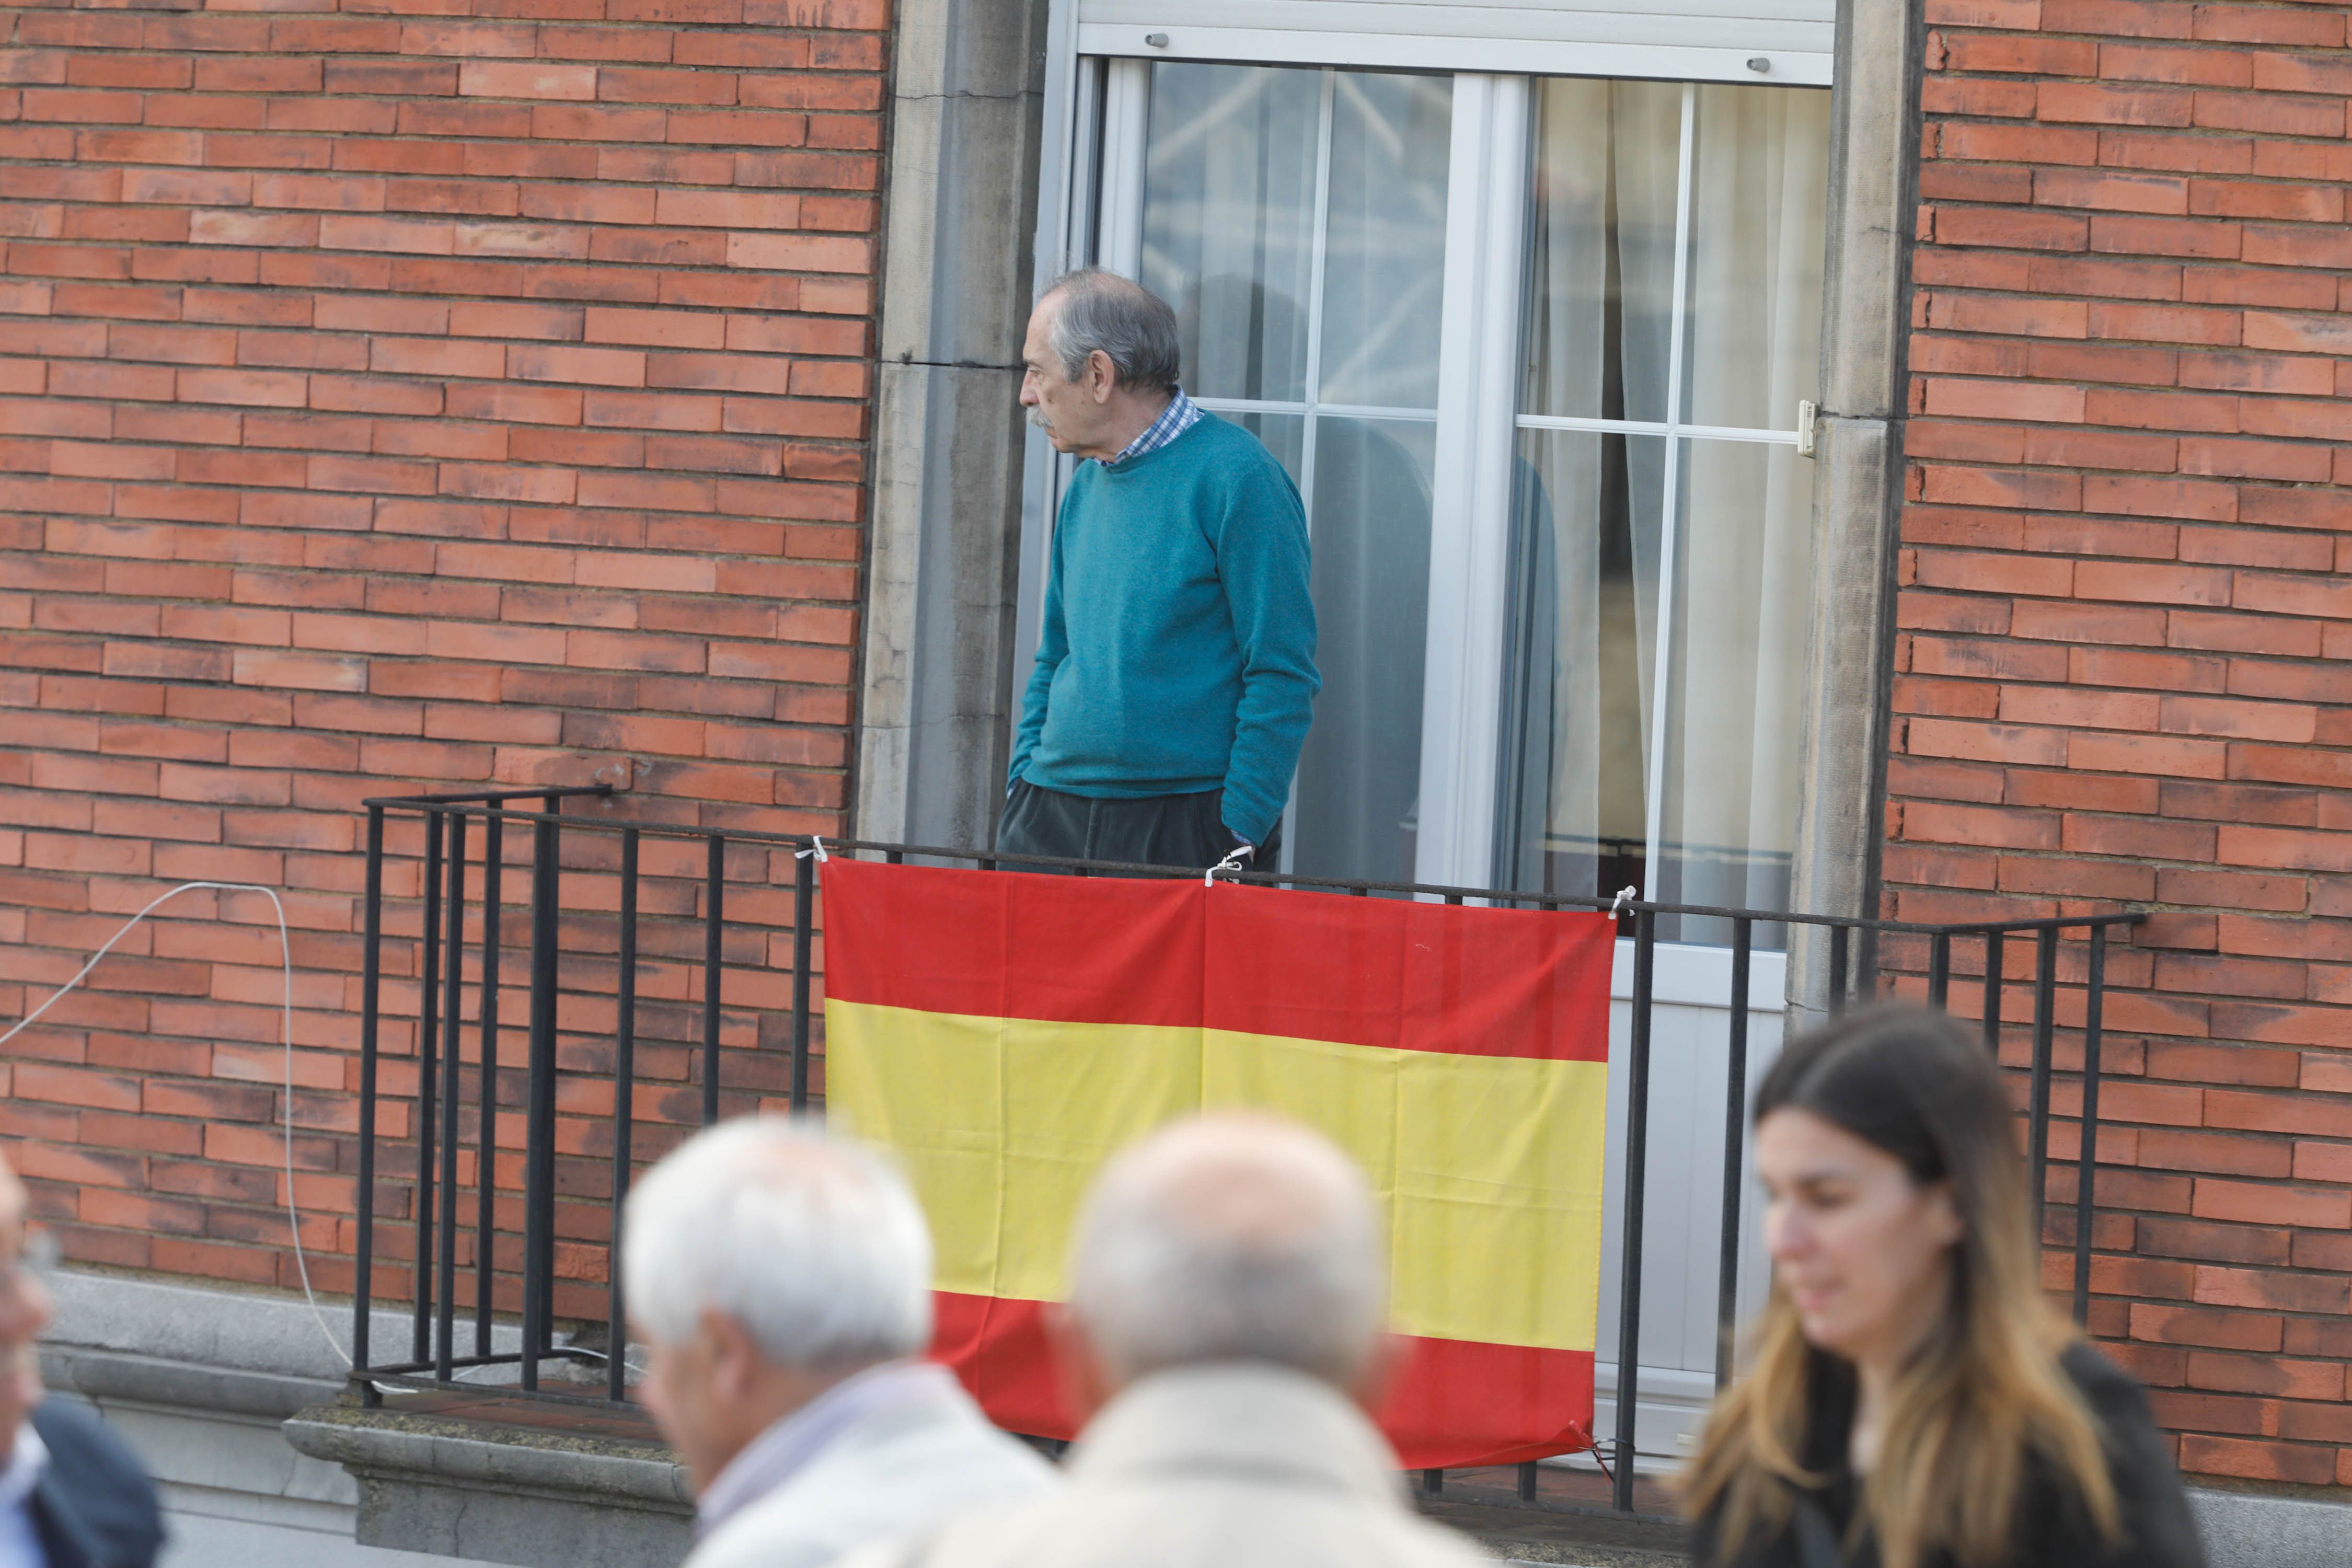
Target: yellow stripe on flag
{"points": [[1489, 1167]]}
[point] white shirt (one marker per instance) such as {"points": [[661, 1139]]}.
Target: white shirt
{"points": [[20, 1540]]}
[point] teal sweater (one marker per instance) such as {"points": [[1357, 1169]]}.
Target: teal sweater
{"points": [[1178, 652]]}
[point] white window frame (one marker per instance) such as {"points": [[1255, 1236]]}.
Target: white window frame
{"points": [[1097, 100]]}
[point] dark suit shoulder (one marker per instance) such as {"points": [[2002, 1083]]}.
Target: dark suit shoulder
{"points": [[95, 1495]]}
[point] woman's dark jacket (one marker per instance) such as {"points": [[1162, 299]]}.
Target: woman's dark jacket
{"points": [[2054, 1530]]}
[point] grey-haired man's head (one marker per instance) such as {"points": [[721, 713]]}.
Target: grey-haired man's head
{"points": [[1230, 1238], [1101, 359]]}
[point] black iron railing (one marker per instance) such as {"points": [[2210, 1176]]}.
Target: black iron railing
{"points": [[702, 911]]}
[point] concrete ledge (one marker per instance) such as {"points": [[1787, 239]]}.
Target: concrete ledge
{"points": [[532, 1498], [2257, 1530], [152, 1380], [234, 1330]]}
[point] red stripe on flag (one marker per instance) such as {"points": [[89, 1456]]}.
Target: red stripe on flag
{"points": [[1453, 1404], [1002, 945], [1364, 972], [1409, 977]]}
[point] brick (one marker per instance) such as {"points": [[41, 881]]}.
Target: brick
{"points": [[2205, 1327], [2099, 104], [2262, 1289], [2015, 400], [2269, 25], [597, 367], [2107, 192]]}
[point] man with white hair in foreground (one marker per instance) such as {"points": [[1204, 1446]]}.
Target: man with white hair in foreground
{"points": [[1223, 1332], [781, 1281]]}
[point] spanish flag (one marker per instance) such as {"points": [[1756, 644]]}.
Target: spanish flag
{"points": [[1004, 1033]]}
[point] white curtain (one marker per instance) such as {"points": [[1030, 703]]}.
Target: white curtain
{"points": [[1599, 315], [1587, 609], [1760, 186]]}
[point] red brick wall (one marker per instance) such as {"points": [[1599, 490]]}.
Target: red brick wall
{"points": [[2121, 673], [392, 400]]}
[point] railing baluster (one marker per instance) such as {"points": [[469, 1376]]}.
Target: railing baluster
{"points": [[624, 1088], [1840, 937], [2045, 1034], [428, 1042], [1637, 1153], [804, 952], [371, 998], [1433, 1482], [1939, 971], [486, 1175], [1735, 1126], [2087, 1168], [452, 1008], [538, 1135], [714, 894], [1996, 955]]}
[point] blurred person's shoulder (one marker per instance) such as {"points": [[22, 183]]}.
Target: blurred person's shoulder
{"points": [[94, 1490], [2161, 1528], [1159, 1525], [2106, 1387], [895, 1473]]}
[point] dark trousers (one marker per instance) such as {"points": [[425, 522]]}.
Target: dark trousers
{"points": [[1186, 831]]}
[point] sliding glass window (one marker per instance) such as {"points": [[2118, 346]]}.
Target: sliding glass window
{"points": [[1533, 351]]}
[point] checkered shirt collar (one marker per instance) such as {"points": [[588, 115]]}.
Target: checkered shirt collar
{"points": [[1181, 414]]}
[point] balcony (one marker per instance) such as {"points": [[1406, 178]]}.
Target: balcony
{"points": [[521, 1057]]}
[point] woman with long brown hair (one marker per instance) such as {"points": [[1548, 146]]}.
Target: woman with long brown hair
{"points": [[1912, 1400]]}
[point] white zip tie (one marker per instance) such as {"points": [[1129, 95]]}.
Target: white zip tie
{"points": [[1624, 896], [816, 847], [1232, 862]]}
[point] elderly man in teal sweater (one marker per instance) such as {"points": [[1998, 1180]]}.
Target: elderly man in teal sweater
{"points": [[1175, 677]]}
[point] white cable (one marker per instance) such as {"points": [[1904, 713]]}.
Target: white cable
{"points": [[286, 959]]}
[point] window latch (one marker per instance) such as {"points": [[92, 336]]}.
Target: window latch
{"points": [[1808, 412]]}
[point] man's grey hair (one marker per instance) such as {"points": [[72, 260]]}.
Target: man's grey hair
{"points": [[1231, 1237], [814, 1245], [1100, 311]]}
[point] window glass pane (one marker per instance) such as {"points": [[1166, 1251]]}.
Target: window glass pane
{"points": [[1384, 269], [1759, 180], [1729, 801], [1229, 221], [1295, 219], [1601, 285], [1360, 777], [1583, 639], [1580, 685]]}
